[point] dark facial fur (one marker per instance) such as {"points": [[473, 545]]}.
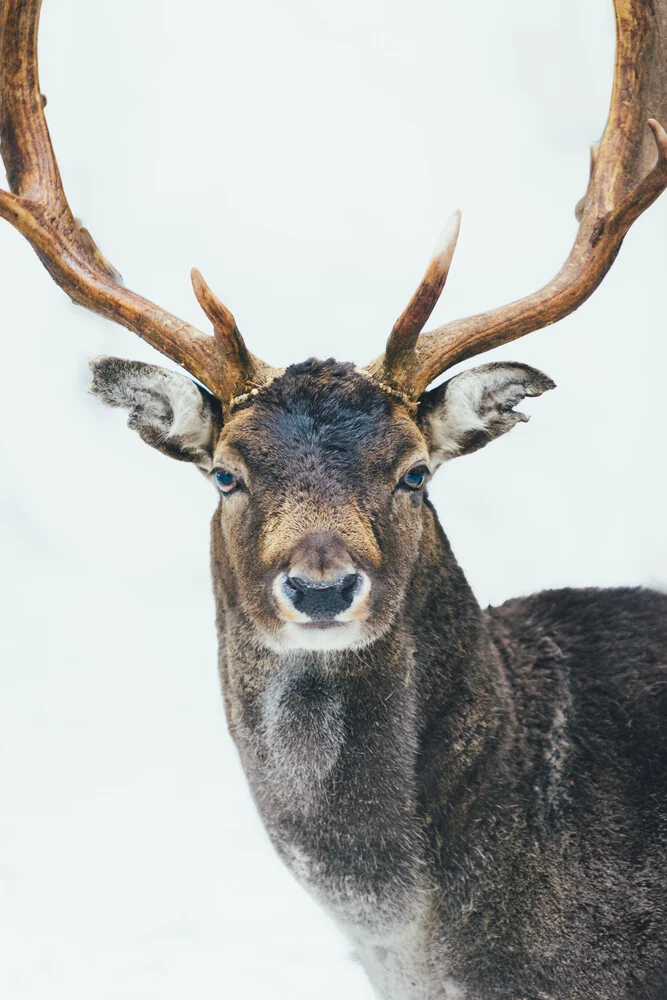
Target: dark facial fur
{"points": [[321, 454], [478, 798]]}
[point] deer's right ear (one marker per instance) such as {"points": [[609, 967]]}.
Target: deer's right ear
{"points": [[169, 411]]}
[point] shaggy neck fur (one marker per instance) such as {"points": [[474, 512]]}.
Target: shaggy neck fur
{"points": [[465, 796], [478, 797], [348, 753]]}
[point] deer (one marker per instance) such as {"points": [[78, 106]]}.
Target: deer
{"points": [[477, 797]]}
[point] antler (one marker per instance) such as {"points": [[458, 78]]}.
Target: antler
{"points": [[405, 333], [625, 180], [621, 187], [38, 208]]}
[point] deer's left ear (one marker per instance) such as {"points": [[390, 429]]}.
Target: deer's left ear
{"points": [[475, 407], [169, 411]]}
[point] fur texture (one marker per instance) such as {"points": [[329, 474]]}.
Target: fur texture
{"points": [[170, 412], [477, 797]]}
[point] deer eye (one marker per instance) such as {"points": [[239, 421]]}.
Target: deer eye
{"points": [[415, 478], [226, 480]]}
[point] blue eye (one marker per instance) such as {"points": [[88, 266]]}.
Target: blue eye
{"points": [[414, 479], [226, 480]]}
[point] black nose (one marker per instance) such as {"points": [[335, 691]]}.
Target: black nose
{"points": [[321, 600]]}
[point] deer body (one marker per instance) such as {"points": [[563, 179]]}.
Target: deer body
{"points": [[476, 797], [443, 801], [462, 795]]}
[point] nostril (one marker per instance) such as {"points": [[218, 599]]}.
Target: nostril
{"points": [[348, 587], [321, 600]]}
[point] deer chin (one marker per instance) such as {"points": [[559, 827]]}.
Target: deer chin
{"points": [[320, 636]]}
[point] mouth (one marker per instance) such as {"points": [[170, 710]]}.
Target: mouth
{"points": [[320, 636], [320, 626]]}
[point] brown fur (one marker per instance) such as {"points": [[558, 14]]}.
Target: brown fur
{"points": [[477, 797]]}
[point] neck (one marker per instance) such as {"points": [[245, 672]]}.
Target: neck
{"points": [[347, 753], [428, 689], [465, 705]]}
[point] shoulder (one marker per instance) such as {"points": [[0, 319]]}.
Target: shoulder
{"points": [[588, 605], [604, 653], [608, 627]]}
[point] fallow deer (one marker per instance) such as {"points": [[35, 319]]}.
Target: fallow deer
{"points": [[477, 797]]}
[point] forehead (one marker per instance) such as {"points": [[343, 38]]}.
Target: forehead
{"points": [[326, 411]]}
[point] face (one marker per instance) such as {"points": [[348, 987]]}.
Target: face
{"points": [[322, 482]]}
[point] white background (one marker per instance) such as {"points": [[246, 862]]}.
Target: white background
{"points": [[304, 155]]}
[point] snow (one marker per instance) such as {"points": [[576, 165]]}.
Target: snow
{"points": [[304, 156]]}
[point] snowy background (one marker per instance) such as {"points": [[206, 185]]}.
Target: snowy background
{"points": [[304, 155]]}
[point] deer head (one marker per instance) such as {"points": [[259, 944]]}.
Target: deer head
{"points": [[322, 468]]}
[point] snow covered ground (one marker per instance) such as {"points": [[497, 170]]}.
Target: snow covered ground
{"points": [[304, 156]]}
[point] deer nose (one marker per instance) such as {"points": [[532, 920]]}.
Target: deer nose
{"points": [[322, 600], [322, 580]]}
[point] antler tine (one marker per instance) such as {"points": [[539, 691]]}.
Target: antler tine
{"points": [[410, 323], [38, 208], [224, 325], [248, 371], [620, 189]]}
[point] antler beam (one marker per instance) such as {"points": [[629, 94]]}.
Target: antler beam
{"points": [[622, 185], [37, 206]]}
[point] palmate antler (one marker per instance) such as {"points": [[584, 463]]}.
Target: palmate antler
{"points": [[623, 183], [38, 208], [625, 180]]}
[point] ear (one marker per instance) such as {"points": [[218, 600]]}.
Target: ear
{"points": [[477, 406], [169, 411]]}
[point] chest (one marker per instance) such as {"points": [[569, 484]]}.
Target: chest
{"points": [[333, 769]]}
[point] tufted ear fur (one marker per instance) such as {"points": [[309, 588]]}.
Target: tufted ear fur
{"points": [[169, 411], [475, 407]]}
